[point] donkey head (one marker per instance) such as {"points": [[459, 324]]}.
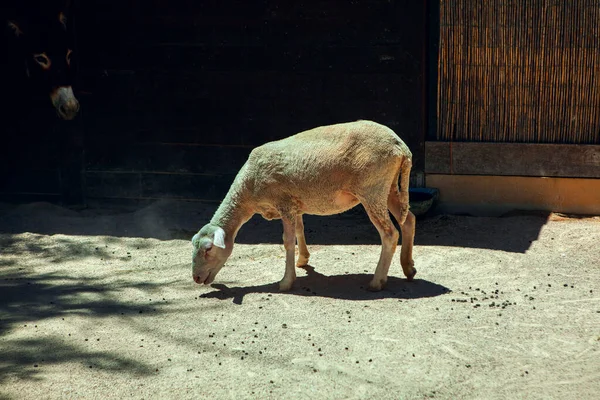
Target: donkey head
{"points": [[46, 45]]}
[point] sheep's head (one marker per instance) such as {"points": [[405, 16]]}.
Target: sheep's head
{"points": [[210, 251]]}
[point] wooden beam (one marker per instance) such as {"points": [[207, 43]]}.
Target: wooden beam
{"points": [[495, 195], [513, 159]]}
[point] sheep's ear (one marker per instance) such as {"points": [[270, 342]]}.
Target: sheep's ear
{"points": [[219, 239]]}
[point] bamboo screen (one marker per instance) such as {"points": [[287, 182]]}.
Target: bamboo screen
{"points": [[519, 71]]}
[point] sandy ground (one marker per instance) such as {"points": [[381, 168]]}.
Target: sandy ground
{"points": [[100, 304]]}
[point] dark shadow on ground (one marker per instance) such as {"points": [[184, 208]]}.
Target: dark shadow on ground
{"points": [[508, 233], [343, 287], [167, 220]]}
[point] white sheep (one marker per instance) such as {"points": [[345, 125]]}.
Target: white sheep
{"points": [[322, 171]]}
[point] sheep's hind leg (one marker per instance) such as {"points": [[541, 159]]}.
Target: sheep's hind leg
{"points": [[378, 213], [289, 242], [303, 254], [408, 236], [399, 207]]}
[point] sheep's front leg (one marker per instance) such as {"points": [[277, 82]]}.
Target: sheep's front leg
{"points": [[289, 242], [303, 253]]}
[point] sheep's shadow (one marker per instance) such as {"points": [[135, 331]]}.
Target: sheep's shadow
{"points": [[344, 287]]}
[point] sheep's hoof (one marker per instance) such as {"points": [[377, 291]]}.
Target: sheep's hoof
{"points": [[412, 271], [284, 286], [377, 284], [302, 261]]}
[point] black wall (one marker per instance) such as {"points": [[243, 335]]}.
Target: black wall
{"points": [[175, 94]]}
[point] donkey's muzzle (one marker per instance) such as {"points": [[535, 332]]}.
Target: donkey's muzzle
{"points": [[65, 102]]}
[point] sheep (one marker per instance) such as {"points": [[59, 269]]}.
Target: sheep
{"points": [[323, 171]]}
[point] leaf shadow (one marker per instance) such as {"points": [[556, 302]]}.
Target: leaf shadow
{"points": [[28, 300], [27, 358]]}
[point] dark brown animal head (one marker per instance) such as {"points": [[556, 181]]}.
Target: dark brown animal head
{"points": [[46, 45]]}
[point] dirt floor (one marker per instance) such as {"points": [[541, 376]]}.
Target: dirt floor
{"points": [[100, 303]]}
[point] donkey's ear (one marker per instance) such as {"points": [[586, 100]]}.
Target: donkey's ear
{"points": [[62, 18], [15, 28], [65, 13]]}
